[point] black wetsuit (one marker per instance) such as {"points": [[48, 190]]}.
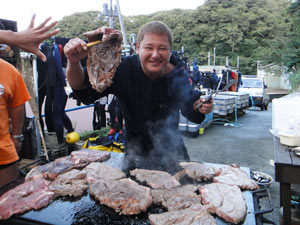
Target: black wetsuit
{"points": [[151, 108]]}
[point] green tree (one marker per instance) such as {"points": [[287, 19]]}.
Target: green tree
{"points": [[254, 30], [291, 57]]}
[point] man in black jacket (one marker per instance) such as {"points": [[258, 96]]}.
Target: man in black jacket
{"points": [[152, 87]]}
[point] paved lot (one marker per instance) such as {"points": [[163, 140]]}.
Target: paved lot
{"points": [[250, 145]]}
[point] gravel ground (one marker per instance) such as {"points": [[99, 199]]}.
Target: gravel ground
{"points": [[250, 144]]}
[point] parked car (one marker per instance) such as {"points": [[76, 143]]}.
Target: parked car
{"points": [[256, 89]]}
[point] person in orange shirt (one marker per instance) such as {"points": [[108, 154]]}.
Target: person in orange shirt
{"points": [[14, 94]]}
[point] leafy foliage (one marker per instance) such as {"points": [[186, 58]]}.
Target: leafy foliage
{"points": [[254, 30], [291, 56]]}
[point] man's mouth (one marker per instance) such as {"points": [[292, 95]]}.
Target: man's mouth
{"points": [[155, 63]]}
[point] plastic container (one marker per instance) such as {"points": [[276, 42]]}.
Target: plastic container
{"points": [[193, 129], [285, 109], [289, 139], [183, 123]]}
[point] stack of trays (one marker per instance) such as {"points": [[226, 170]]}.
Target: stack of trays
{"points": [[223, 104], [242, 98]]}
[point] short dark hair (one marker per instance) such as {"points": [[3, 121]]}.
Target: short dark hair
{"points": [[155, 27]]}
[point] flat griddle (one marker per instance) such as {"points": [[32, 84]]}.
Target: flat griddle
{"points": [[86, 210]]}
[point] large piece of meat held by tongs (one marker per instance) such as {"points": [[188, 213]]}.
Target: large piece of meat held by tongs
{"points": [[103, 58]]}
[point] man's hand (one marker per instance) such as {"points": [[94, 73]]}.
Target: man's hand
{"points": [[75, 50], [202, 106], [30, 39]]}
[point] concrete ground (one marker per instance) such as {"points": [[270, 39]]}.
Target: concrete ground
{"points": [[250, 144]]}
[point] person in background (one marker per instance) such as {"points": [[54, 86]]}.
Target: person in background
{"points": [[239, 82], [14, 94], [152, 87], [30, 39], [215, 79], [116, 117]]}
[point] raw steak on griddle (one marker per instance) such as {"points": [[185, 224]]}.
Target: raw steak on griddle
{"points": [[155, 178], [199, 171], [224, 200], [53, 169], [233, 175], [124, 196], [97, 170], [104, 58], [88, 156], [71, 183], [194, 215], [33, 194]]}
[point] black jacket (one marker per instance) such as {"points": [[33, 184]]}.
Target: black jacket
{"points": [[151, 108]]}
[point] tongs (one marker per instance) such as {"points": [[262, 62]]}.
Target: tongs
{"points": [[90, 44], [96, 38], [209, 97]]}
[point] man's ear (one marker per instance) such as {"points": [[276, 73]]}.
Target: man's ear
{"points": [[170, 56], [137, 48]]}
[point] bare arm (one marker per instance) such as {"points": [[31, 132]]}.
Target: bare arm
{"points": [[75, 50], [17, 116], [30, 39]]}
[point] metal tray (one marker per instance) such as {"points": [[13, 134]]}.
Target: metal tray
{"points": [[86, 210]]}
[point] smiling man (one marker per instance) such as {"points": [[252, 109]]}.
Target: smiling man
{"points": [[152, 87]]}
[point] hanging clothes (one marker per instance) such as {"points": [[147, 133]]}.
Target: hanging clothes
{"points": [[99, 117], [51, 79], [60, 97], [46, 80]]}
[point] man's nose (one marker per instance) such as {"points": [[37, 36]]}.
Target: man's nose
{"points": [[155, 53]]}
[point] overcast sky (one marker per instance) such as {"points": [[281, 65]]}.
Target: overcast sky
{"points": [[21, 10]]}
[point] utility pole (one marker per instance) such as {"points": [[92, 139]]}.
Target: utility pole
{"points": [[214, 57], [121, 24], [111, 14]]}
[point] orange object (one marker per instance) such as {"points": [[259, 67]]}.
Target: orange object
{"points": [[13, 93], [90, 44]]}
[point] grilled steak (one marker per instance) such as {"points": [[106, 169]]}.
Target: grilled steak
{"points": [[155, 178], [176, 198], [124, 196], [159, 196], [77, 159], [224, 200], [71, 183], [88, 156], [104, 58], [181, 202], [194, 215], [97, 170], [199, 171], [33, 194], [233, 175]]}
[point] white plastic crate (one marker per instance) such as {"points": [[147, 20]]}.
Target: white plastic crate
{"points": [[224, 99], [223, 107], [240, 96], [223, 112]]}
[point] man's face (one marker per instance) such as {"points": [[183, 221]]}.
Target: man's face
{"points": [[154, 53]]}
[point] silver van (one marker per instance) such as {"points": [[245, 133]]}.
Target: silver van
{"points": [[256, 89]]}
